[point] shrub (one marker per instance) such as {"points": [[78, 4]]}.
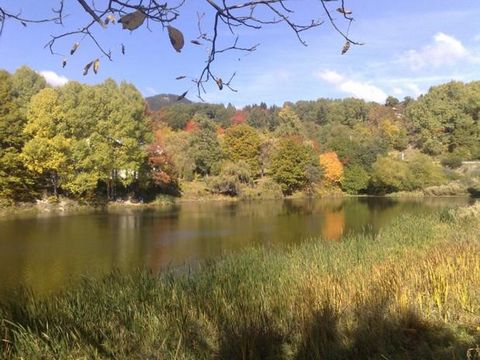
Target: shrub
{"points": [[452, 161], [419, 172], [355, 179], [229, 181], [265, 189]]}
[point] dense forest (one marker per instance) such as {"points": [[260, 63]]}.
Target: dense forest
{"points": [[103, 142]]}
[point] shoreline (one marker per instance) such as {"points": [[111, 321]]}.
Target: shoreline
{"points": [[68, 207]]}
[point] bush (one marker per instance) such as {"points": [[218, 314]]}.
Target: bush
{"points": [[164, 200], [229, 181], [265, 189], [452, 189], [355, 179], [418, 172], [452, 161]]}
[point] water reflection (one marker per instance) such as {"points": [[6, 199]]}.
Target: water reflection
{"points": [[46, 252]]}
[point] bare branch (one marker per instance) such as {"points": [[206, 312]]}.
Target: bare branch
{"points": [[229, 15]]}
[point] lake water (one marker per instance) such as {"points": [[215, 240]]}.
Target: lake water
{"points": [[44, 253]]}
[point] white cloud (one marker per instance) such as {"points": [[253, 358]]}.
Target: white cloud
{"points": [[397, 91], [53, 78], [414, 89], [445, 50], [150, 91], [358, 89]]}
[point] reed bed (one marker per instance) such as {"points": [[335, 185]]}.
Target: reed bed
{"points": [[410, 292]]}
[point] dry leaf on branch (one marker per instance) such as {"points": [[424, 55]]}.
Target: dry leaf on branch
{"points": [[74, 48], [346, 47], [196, 42], [96, 66], [123, 49], [133, 20], [110, 19], [219, 82], [87, 67], [344, 11], [180, 77], [176, 38], [64, 63]]}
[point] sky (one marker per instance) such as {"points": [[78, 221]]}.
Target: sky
{"points": [[409, 46]]}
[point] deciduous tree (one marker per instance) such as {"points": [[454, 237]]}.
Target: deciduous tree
{"points": [[332, 167], [291, 164], [242, 142]]}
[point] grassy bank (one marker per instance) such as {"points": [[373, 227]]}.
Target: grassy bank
{"points": [[411, 292]]}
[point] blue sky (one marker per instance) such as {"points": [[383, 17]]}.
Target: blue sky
{"points": [[409, 46]]}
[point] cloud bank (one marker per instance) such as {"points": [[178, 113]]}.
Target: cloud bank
{"points": [[53, 79], [358, 89], [445, 50]]}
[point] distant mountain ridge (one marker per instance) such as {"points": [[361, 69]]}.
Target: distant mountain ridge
{"points": [[159, 101]]}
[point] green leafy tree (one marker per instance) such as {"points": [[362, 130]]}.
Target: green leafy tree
{"points": [[293, 164], [49, 157], [392, 101], [48, 150], [423, 172], [289, 123], [259, 117], [177, 144], [16, 182], [355, 179], [25, 84], [242, 143], [120, 135], [446, 119], [390, 175], [205, 148]]}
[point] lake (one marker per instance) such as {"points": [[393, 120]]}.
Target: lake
{"points": [[44, 253]]}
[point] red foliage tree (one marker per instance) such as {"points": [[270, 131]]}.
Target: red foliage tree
{"points": [[191, 126], [163, 170], [239, 117]]}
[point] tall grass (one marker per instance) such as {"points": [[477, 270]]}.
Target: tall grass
{"points": [[411, 292]]}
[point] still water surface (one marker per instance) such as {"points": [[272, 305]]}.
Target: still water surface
{"points": [[44, 253]]}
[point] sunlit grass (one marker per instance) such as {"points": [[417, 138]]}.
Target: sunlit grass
{"points": [[411, 292]]}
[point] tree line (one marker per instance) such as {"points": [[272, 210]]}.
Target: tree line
{"points": [[103, 142]]}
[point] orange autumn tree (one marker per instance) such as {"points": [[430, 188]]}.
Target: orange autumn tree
{"points": [[163, 170], [332, 167]]}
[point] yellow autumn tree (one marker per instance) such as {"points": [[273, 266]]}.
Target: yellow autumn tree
{"points": [[332, 167]]}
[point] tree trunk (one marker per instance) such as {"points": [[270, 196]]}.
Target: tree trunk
{"points": [[54, 180]]}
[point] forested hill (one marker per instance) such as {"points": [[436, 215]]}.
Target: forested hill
{"points": [[156, 102], [97, 142]]}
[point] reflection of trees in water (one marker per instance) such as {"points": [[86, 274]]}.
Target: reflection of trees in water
{"points": [[334, 225], [45, 253]]}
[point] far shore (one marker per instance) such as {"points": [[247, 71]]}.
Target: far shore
{"points": [[66, 206]]}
